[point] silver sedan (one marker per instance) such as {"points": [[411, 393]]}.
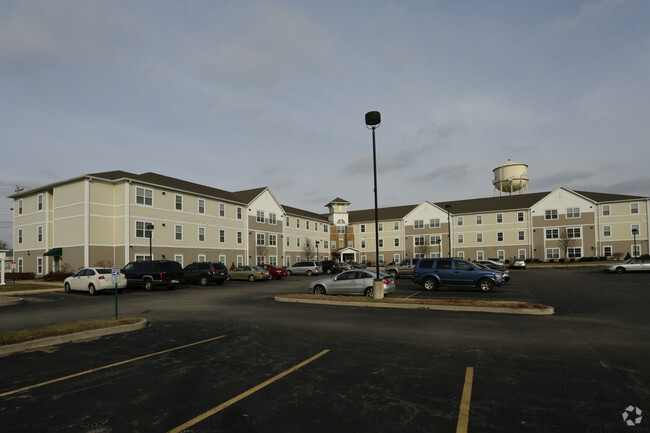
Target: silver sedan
{"points": [[354, 282]]}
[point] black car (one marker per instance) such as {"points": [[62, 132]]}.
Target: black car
{"points": [[153, 273], [331, 266], [206, 272]]}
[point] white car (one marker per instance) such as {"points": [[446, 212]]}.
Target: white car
{"points": [[92, 280], [638, 264], [355, 282]]}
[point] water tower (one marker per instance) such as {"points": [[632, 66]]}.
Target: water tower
{"points": [[510, 177]]}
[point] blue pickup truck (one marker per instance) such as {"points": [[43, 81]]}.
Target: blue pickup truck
{"points": [[432, 273]]}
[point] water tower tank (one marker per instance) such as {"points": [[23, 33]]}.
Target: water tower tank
{"points": [[510, 177]]}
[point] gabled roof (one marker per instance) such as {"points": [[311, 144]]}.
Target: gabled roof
{"points": [[248, 195], [303, 213], [385, 213], [338, 200], [491, 204]]}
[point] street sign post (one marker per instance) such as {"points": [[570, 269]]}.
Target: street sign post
{"points": [[116, 280]]}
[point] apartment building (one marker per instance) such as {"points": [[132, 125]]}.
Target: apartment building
{"points": [[115, 217]]}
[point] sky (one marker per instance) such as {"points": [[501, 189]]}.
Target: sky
{"points": [[245, 94]]}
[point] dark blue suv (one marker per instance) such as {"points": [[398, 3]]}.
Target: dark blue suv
{"points": [[432, 273]]}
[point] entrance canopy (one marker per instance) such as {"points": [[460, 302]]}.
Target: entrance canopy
{"points": [[346, 254], [54, 252]]}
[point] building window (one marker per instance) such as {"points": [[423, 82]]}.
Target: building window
{"points": [[522, 235], [499, 236], [381, 259], [396, 258], [363, 243], [479, 255], [179, 258], [298, 244], [326, 228], [550, 214], [222, 210], [340, 229], [499, 218], [501, 254], [20, 207], [144, 196], [552, 234], [20, 236], [573, 232], [461, 255], [239, 213], [418, 240], [222, 258], [381, 243], [574, 253], [287, 221], [325, 244], [396, 242], [522, 254], [333, 245], [552, 253], [39, 265], [240, 238], [635, 227], [381, 227], [288, 241], [435, 240], [307, 224], [260, 216], [573, 212], [636, 250], [634, 208], [40, 202], [179, 202], [607, 251], [141, 229], [297, 223], [273, 219], [520, 216], [607, 230], [418, 224], [396, 225], [461, 238], [178, 230], [201, 234], [606, 210], [273, 240], [351, 244], [201, 258], [201, 206], [222, 236], [479, 237], [434, 223], [315, 226], [459, 221], [479, 219], [261, 239], [362, 227], [39, 234]]}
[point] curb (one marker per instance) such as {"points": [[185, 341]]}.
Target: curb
{"points": [[6, 301], [29, 292], [459, 308], [53, 341]]}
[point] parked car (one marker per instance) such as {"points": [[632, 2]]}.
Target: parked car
{"points": [[404, 268], [504, 273], [331, 266], [150, 274], [354, 282], [306, 267], [433, 273], [492, 264], [518, 264], [92, 280], [250, 273], [355, 265], [276, 272], [206, 272], [630, 265]]}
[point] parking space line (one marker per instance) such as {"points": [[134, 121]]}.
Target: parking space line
{"points": [[463, 414], [60, 379], [413, 294], [245, 394]]}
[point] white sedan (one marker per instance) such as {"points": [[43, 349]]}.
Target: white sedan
{"points": [[355, 282], [638, 264], [92, 280]]}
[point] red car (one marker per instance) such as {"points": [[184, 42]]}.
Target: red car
{"points": [[276, 272]]}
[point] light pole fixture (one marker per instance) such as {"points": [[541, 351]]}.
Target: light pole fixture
{"points": [[373, 119], [634, 233], [149, 229], [317, 242], [448, 207]]}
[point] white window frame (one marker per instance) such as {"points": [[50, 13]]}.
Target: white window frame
{"points": [[178, 202], [144, 196], [418, 224], [479, 220], [222, 209], [178, 233], [201, 234], [573, 212], [550, 214], [606, 210], [434, 223], [259, 216], [273, 219], [634, 208], [499, 218], [201, 206], [222, 236]]}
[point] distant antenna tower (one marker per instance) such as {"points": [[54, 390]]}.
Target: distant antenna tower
{"points": [[510, 177]]}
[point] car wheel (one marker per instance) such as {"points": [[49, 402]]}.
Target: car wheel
{"points": [[66, 286], [289, 273], [148, 284], [368, 292], [485, 285], [319, 290], [251, 278], [620, 270], [329, 271], [309, 273], [394, 274], [430, 284], [204, 280], [92, 290]]}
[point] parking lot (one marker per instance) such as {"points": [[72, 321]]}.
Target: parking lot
{"points": [[230, 359]]}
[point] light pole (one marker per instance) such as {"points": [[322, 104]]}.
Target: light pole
{"points": [[634, 233], [149, 228], [373, 119], [448, 206], [317, 242]]}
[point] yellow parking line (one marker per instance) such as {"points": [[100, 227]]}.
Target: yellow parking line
{"points": [[38, 385], [463, 414], [413, 294], [243, 395]]}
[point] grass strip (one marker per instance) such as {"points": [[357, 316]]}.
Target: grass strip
{"points": [[411, 301], [15, 337], [18, 287]]}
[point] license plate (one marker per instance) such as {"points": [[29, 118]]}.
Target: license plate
{"points": [[175, 281]]}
